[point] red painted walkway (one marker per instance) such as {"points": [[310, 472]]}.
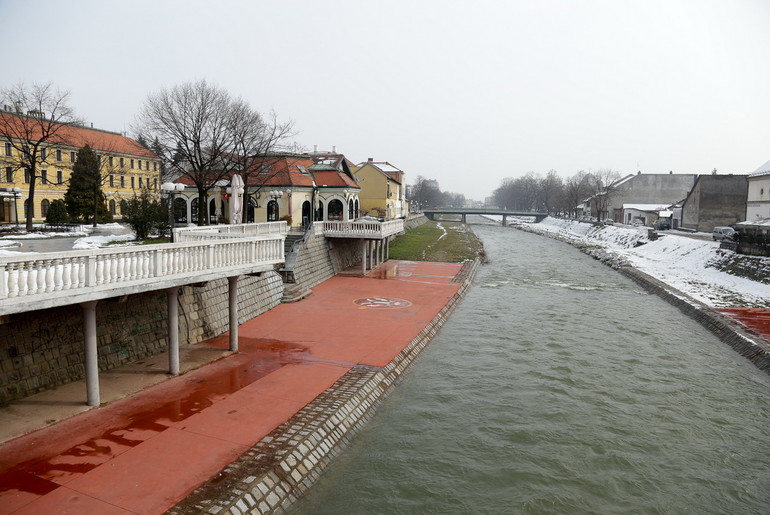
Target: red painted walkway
{"points": [[145, 453], [757, 319]]}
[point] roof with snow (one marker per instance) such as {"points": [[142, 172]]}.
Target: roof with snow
{"points": [[762, 170], [646, 207]]}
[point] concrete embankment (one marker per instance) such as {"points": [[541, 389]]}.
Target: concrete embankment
{"points": [[747, 343], [283, 465]]}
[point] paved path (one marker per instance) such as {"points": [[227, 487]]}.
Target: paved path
{"points": [[145, 453]]}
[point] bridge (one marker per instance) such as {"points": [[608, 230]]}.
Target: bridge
{"points": [[463, 212]]}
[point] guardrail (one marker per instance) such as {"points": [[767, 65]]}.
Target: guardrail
{"points": [[360, 229], [75, 271], [197, 233]]}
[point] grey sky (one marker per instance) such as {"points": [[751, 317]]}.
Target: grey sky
{"points": [[467, 93]]}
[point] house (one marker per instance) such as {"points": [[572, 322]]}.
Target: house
{"points": [[382, 189], [715, 200], [758, 196], [281, 186], [127, 167], [650, 190], [642, 214]]}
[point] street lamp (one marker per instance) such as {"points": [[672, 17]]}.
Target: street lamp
{"points": [[16, 192], [171, 189]]}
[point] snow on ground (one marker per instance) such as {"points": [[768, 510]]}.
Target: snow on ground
{"points": [[680, 261], [94, 242]]}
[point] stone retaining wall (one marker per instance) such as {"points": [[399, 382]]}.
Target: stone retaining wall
{"points": [[43, 349], [284, 465]]}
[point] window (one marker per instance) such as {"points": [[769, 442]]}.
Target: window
{"points": [[72, 157], [155, 166], [112, 181], [265, 169], [155, 183], [59, 177], [112, 207], [132, 163], [8, 174], [122, 182], [44, 207], [26, 176], [58, 154], [44, 176], [43, 154], [109, 161], [139, 164], [7, 149], [133, 186], [140, 181], [121, 162]]}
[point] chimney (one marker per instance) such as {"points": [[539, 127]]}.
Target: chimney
{"points": [[371, 159], [315, 148], [334, 149]]}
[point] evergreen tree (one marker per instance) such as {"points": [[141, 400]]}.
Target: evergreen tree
{"points": [[84, 198], [145, 214], [57, 213]]}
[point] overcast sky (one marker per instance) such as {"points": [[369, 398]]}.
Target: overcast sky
{"points": [[467, 93]]}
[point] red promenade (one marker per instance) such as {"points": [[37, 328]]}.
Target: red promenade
{"points": [[146, 452]]}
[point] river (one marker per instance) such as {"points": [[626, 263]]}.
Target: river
{"points": [[559, 386]]}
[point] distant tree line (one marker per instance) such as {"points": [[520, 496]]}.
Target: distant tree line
{"points": [[426, 194], [557, 196]]}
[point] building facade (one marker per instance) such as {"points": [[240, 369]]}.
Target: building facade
{"points": [[715, 200], [382, 189], [758, 196], [126, 168]]}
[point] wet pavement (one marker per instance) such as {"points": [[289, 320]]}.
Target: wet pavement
{"points": [[146, 452], [756, 319]]}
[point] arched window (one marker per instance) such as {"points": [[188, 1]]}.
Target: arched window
{"points": [[112, 206], [44, 204], [250, 210], [357, 209], [335, 209], [319, 213], [350, 209], [305, 213], [123, 207], [180, 210], [272, 211], [194, 210]]}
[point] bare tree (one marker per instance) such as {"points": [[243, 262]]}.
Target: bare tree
{"points": [[575, 192], [33, 128], [602, 185], [203, 134], [550, 191]]}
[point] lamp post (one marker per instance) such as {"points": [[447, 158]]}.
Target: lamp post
{"points": [[275, 195], [16, 192], [171, 189]]}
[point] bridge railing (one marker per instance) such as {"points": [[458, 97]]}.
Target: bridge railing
{"points": [[360, 229], [39, 274]]}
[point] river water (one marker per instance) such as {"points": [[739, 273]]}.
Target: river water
{"points": [[559, 386]]}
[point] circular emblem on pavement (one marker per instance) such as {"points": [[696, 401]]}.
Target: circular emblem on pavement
{"points": [[382, 302]]}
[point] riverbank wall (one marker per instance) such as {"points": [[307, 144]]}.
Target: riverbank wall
{"points": [[745, 342], [281, 467]]}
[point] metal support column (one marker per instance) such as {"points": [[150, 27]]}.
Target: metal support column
{"points": [[233, 312], [172, 295], [91, 355]]}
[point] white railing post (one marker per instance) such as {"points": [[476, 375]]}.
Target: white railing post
{"points": [[90, 271]]}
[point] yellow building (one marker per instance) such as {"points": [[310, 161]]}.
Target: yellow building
{"points": [[382, 189], [126, 166]]}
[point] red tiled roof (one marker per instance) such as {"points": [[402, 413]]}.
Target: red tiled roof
{"points": [[80, 136], [334, 180]]}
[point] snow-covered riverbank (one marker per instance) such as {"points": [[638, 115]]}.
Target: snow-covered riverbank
{"points": [[688, 264]]}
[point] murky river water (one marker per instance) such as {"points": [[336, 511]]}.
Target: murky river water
{"points": [[559, 386]]}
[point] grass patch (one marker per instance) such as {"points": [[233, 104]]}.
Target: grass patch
{"points": [[448, 242]]}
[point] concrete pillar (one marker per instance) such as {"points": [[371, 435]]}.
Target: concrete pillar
{"points": [[463, 218], [91, 355], [505, 220], [363, 257], [172, 295], [387, 248], [233, 312], [371, 255]]}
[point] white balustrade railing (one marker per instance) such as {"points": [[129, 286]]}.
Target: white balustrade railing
{"points": [[33, 274], [195, 233], [361, 228]]}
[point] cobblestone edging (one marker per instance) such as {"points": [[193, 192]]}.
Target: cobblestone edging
{"points": [[280, 468], [745, 342]]}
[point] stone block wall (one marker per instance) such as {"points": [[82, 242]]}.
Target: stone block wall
{"points": [[43, 349], [319, 259]]}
